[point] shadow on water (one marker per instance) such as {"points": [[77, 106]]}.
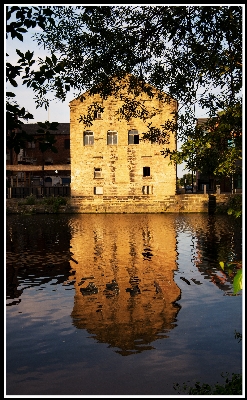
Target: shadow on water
{"points": [[123, 279], [214, 240]]}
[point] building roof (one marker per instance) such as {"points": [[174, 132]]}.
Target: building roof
{"points": [[62, 129], [201, 121], [115, 89]]}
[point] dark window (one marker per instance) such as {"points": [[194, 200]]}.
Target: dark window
{"points": [[133, 137], [67, 143], [88, 138], [48, 161], [97, 172], [147, 189], [146, 171], [66, 181], [31, 145], [48, 179]]}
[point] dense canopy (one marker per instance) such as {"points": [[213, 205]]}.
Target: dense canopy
{"points": [[193, 53]]}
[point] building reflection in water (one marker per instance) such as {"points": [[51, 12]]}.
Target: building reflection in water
{"points": [[125, 293], [120, 268]]}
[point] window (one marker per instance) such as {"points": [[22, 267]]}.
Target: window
{"points": [[133, 137], [31, 145], [147, 189], [98, 190], [111, 137], [48, 161], [48, 179], [97, 172], [88, 138], [67, 143], [98, 115], [66, 181], [146, 171]]}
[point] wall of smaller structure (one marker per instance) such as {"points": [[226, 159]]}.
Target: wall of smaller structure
{"points": [[27, 167], [183, 203], [177, 203], [32, 155]]}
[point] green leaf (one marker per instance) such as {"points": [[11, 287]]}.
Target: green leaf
{"points": [[237, 282]]}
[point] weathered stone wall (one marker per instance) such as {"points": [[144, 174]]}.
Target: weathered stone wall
{"points": [[183, 203], [121, 164]]}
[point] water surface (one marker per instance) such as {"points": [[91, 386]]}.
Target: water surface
{"points": [[120, 304]]}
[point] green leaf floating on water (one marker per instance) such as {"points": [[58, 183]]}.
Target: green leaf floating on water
{"points": [[237, 282]]}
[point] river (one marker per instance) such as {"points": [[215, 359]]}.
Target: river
{"points": [[120, 305]]}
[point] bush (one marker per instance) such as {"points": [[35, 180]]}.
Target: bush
{"points": [[232, 386], [30, 200], [235, 206], [55, 202], [232, 207]]}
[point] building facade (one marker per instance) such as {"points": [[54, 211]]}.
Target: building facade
{"points": [[110, 160], [31, 167]]}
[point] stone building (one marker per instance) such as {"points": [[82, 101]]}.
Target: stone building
{"points": [[110, 161]]}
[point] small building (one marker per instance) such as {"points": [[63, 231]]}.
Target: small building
{"points": [[110, 161], [31, 167]]}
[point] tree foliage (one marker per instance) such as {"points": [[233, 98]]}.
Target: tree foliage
{"points": [[187, 179], [191, 53]]}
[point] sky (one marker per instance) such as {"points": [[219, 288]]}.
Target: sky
{"points": [[58, 111]]}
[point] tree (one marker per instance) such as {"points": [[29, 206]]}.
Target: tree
{"points": [[26, 17], [187, 180], [192, 53]]}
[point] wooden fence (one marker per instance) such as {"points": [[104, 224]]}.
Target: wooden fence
{"points": [[38, 192]]}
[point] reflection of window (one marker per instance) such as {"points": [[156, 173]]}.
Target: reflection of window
{"points": [[133, 137], [97, 172], [88, 138], [111, 137], [98, 190], [146, 171], [147, 189], [67, 143]]}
